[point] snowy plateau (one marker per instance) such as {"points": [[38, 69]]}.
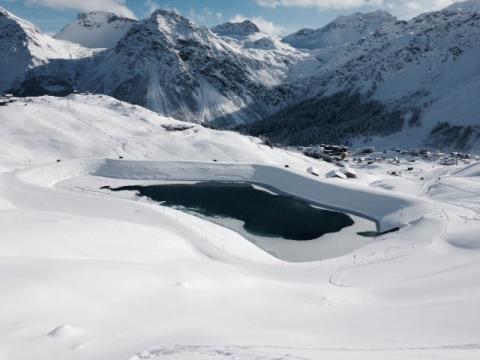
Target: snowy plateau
{"points": [[90, 273]]}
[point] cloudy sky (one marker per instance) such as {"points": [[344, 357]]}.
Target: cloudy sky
{"points": [[274, 16]]}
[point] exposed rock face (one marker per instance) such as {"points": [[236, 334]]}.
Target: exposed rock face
{"points": [[240, 30]]}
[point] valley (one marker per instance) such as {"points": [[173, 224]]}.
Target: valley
{"points": [[175, 191]]}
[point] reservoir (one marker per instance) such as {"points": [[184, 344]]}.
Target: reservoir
{"points": [[286, 227]]}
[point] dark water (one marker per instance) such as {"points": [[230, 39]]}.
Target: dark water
{"points": [[264, 214]]}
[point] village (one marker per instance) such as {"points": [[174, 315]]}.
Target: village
{"points": [[400, 159]]}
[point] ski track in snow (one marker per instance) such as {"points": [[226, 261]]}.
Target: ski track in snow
{"points": [[222, 352], [215, 352], [390, 254]]}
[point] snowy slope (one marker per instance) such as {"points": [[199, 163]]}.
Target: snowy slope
{"points": [[465, 6], [23, 47], [96, 29], [44, 129], [89, 275], [343, 30]]}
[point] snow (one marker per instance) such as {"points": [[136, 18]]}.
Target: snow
{"points": [[65, 331], [349, 172], [86, 273], [96, 126], [313, 171], [96, 29], [198, 76], [465, 6], [24, 47], [343, 30], [426, 67], [410, 66], [337, 173]]}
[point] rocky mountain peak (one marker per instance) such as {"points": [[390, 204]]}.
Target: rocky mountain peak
{"points": [[96, 18], [341, 31], [236, 29], [170, 29], [172, 22], [465, 6], [96, 29], [10, 22]]}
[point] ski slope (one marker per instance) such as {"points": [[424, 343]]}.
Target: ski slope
{"points": [[86, 273]]}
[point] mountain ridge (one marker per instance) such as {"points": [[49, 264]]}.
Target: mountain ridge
{"points": [[341, 31], [420, 72], [419, 68], [177, 68], [236, 30], [24, 47], [97, 29]]}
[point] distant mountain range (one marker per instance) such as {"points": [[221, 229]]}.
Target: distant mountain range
{"points": [[240, 31], [362, 79], [342, 31]]}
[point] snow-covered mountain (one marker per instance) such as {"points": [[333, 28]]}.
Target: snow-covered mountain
{"points": [[239, 30], [249, 34], [343, 30], [466, 6], [23, 47], [96, 29], [170, 65], [410, 83]]}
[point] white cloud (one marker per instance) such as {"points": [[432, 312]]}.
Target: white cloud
{"points": [[116, 6], [151, 6], [400, 8], [264, 25], [205, 17], [412, 8]]}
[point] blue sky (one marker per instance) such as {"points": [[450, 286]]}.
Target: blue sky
{"points": [[274, 16]]}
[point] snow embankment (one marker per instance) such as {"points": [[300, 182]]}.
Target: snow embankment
{"points": [[390, 210], [472, 171]]}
